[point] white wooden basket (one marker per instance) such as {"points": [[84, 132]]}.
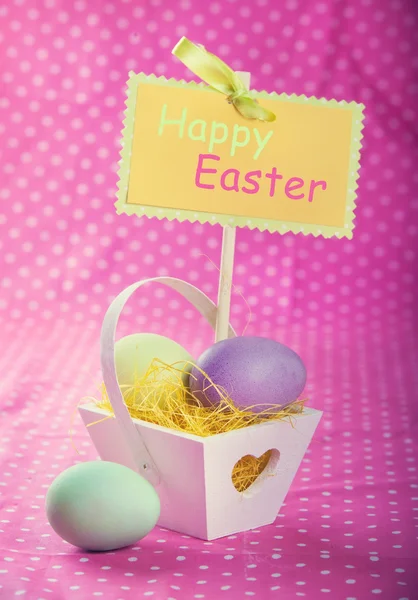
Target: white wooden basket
{"points": [[193, 475]]}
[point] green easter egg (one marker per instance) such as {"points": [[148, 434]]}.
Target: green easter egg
{"points": [[135, 353], [101, 506]]}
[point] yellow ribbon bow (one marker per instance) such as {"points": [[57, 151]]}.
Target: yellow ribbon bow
{"points": [[221, 78]]}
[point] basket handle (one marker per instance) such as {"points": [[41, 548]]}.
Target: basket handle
{"points": [[142, 458]]}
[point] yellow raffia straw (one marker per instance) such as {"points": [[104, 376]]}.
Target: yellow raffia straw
{"points": [[161, 397], [247, 469]]}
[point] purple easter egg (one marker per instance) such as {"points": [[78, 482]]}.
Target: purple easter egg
{"points": [[254, 371]]}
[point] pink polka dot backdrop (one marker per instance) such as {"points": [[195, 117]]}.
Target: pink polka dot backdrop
{"points": [[348, 527]]}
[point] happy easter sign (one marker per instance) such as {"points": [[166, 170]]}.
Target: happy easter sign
{"points": [[188, 154]]}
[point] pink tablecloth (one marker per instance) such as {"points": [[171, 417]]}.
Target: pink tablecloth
{"points": [[348, 529]]}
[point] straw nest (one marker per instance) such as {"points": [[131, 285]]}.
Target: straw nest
{"points": [[161, 397]]}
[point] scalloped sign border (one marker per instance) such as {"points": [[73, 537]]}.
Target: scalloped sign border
{"points": [[272, 225]]}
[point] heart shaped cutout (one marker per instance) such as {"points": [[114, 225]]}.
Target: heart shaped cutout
{"points": [[249, 472]]}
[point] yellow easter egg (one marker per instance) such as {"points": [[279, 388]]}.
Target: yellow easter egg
{"points": [[135, 353]]}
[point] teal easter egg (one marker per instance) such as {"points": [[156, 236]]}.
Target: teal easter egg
{"points": [[101, 505], [135, 353]]}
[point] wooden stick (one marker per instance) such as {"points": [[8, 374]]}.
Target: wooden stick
{"points": [[227, 264]]}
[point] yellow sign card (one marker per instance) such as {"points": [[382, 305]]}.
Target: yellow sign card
{"points": [[189, 155]]}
